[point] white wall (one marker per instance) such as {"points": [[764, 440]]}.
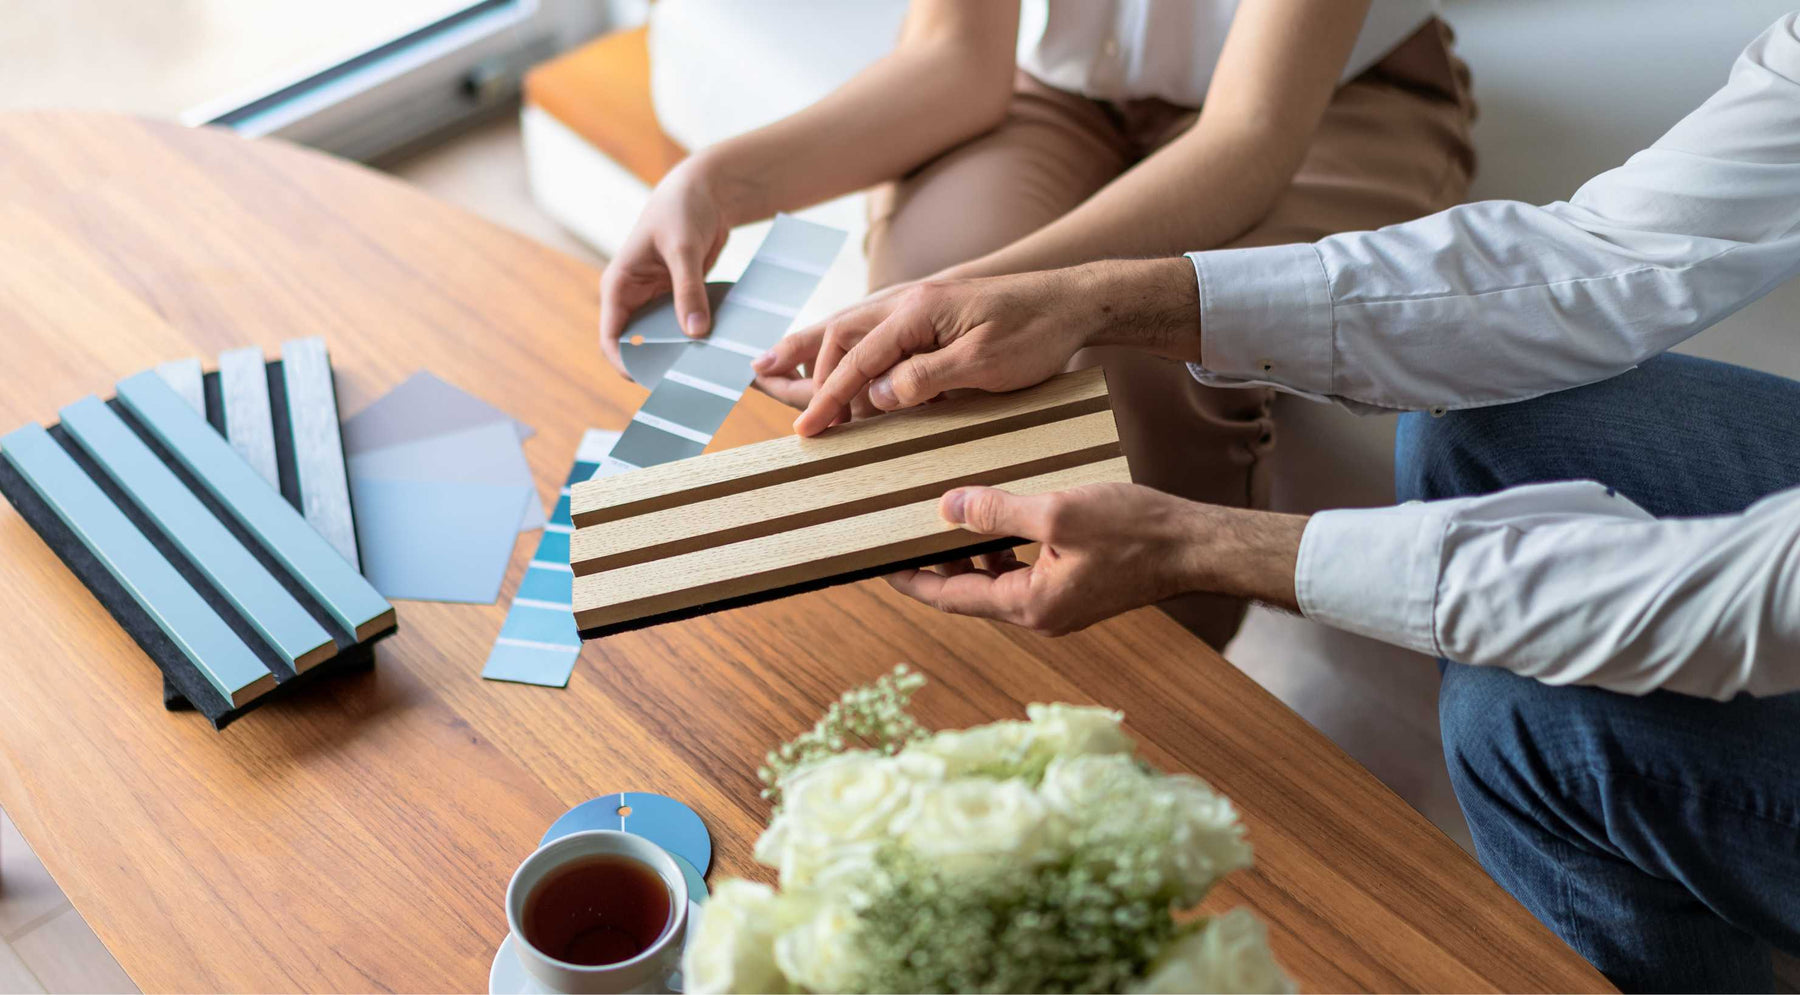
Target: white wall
{"points": [[1569, 89]]}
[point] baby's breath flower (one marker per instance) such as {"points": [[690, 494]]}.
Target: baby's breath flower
{"points": [[875, 714]]}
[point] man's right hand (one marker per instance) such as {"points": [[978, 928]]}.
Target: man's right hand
{"points": [[908, 346], [676, 240]]}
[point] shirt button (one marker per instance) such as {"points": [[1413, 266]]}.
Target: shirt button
{"points": [[1110, 48], [1268, 365], [1437, 410]]}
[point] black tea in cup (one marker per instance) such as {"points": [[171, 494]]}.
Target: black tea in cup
{"points": [[597, 910]]}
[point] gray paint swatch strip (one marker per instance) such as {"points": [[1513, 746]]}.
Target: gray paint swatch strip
{"points": [[318, 449], [688, 405], [256, 594], [198, 631], [259, 508], [249, 423]]}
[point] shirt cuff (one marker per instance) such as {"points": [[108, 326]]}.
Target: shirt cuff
{"points": [[1265, 315], [1374, 572]]}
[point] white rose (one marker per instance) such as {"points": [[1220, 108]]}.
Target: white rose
{"points": [[820, 953], [733, 949], [1069, 730], [998, 747], [1086, 788], [836, 812], [976, 824], [1229, 954], [1206, 840]]}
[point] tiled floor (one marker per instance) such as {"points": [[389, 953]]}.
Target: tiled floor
{"points": [[45, 946]]}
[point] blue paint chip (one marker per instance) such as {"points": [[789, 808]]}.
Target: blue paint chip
{"points": [[657, 818]]}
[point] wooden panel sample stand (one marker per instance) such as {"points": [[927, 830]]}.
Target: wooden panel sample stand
{"points": [[791, 514]]}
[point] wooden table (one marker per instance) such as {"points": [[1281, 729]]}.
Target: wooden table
{"points": [[360, 836]]}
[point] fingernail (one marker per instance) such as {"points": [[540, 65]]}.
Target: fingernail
{"points": [[763, 361], [882, 392], [953, 507], [696, 324]]}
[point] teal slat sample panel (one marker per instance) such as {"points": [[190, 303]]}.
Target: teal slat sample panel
{"points": [[350, 599], [264, 603], [198, 631]]}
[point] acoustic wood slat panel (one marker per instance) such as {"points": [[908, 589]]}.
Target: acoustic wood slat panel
{"points": [[184, 377], [231, 568], [318, 447], [177, 609], [788, 458], [259, 508], [841, 546], [249, 423], [851, 491]]}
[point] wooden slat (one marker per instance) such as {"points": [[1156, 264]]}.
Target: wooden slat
{"points": [[249, 424], [852, 491], [237, 575], [791, 457], [184, 377], [841, 546], [318, 446], [259, 508], [170, 601]]}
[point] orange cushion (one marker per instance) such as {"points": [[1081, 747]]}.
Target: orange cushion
{"points": [[601, 91]]}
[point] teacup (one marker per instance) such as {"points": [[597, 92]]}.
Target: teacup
{"points": [[648, 959]]}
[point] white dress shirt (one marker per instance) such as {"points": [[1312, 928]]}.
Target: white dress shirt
{"points": [[1131, 49], [1499, 301]]}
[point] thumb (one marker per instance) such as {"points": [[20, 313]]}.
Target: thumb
{"points": [[691, 305], [992, 511], [919, 378]]}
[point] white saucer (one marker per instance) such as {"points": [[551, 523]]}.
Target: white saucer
{"points": [[509, 977]]}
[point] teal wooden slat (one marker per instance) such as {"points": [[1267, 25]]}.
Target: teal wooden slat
{"points": [[259, 508], [173, 604], [264, 603]]}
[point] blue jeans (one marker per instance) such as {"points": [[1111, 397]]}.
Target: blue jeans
{"points": [[1659, 835]]}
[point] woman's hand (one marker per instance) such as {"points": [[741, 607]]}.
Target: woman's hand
{"points": [[676, 240], [1107, 548]]}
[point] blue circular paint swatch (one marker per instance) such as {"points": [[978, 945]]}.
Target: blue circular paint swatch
{"points": [[659, 819]]}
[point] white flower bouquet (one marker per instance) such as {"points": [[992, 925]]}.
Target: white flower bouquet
{"points": [[1036, 856]]}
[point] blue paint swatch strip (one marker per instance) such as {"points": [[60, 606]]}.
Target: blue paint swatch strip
{"points": [[538, 643]]}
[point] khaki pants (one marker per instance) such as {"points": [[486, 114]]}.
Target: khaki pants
{"points": [[1393, 145]]}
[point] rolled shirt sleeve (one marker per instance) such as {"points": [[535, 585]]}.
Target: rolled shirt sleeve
{"points": [[1500, 301], [1570, 583]]}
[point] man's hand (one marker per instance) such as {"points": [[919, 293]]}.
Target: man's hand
{"points": [[1107, 548], [910, 345]]}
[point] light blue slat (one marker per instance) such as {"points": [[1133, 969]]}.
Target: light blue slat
{"points": [[265, 604], [258, 507], [175, 607]]}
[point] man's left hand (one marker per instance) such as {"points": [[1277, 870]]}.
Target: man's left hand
{"points": [[1107, 548]]}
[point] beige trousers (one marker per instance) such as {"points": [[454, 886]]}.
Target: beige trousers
{"points": [[1393, 145]]}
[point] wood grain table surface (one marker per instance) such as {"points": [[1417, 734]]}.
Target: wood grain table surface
{"points": [[360, 835]]}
